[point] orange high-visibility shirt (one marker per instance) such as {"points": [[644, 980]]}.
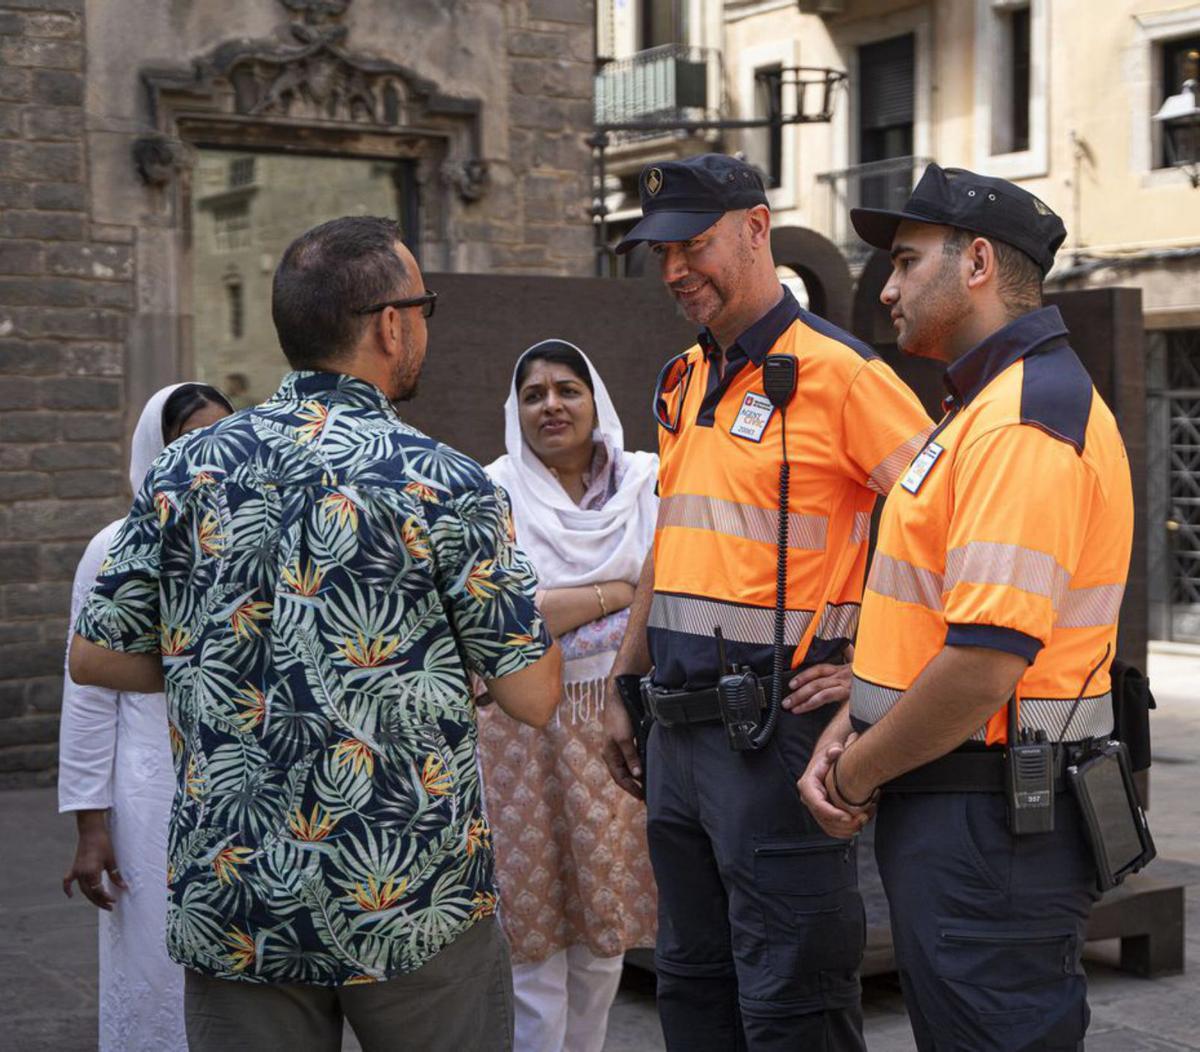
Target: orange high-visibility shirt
{"points": [[852, 427], [1011, 529]]}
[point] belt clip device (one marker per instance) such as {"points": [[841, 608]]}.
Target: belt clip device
{"points": [[1029, 778], [740, 696]]}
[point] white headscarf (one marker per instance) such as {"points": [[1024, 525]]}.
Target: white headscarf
{"points": [[569, 545], [148, 438]]}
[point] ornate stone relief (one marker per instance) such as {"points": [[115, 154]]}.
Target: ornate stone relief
{"points": [[313, 82]]}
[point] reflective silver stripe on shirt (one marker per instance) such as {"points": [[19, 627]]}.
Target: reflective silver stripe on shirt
{"points": [[838, 621], [901, 580], [748, 624], [1095, 607], [861, 530], [701, 512], [869, 702], [741, 624], [883, 476], [1011, 565]]}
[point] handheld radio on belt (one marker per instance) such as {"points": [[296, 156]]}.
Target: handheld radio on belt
{"points": [[739, 690]]}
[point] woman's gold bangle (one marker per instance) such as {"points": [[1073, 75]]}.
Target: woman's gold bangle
{"points": [[600, 598]]}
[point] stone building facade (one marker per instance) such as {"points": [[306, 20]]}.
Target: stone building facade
{"points": [[106, 109]]}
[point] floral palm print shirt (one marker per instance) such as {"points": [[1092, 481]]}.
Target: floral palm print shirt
{"points": [[320, 578]]}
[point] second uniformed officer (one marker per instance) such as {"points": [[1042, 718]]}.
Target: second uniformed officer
{"points": [[991, 607], [760, 922]]}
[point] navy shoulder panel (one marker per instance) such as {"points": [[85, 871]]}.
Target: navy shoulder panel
{"points": [[827, 328], [1056, 394]]}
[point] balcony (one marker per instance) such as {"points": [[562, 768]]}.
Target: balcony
{"points": [[876, 184], [659, 87]]}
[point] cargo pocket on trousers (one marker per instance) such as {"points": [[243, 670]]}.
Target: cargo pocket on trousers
{"points": [[808, 889], [1006, 979]]}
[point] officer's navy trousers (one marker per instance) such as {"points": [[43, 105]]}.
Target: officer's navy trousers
{"points": [[988, 927], [761, 926]]}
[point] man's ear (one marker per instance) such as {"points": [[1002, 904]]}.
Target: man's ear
{"points": [[981, 255], [758, 219]]}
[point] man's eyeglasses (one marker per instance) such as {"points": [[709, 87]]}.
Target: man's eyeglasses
{"points": [[675, 374], [427, 303]]}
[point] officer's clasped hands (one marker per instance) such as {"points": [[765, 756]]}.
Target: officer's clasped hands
{"points": [[835, 816]]}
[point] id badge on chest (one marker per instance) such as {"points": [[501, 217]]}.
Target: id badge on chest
{"points": [[921, 467], [753, 417]]}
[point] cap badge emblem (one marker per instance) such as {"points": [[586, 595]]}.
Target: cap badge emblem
{"points": [[654, 181], [1041, 209]]}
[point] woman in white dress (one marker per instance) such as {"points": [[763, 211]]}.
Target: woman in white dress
{"points": [[116, 773]]}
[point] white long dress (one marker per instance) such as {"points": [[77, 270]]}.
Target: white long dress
{"points": [[115, 754]]}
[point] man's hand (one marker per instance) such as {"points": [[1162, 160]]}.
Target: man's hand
{"points": [[816, 686], [93, 858], [620, 752], [834, 818]]}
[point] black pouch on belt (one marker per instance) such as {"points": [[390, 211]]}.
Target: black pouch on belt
{"points": [[1102, 782], [1132, 702]]}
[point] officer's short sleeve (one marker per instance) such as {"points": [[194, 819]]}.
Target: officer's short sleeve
{"points": [[883, 426], [122, 610], [1020, 505], [486, 582]]}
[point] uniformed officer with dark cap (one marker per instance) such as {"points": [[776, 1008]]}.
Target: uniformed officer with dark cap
{"points": [[760, 921], [989, 621]]}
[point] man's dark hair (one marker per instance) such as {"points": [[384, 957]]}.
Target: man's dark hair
{"points": [[1020, 278], [185, 400], [558, 352], [325, 277]]}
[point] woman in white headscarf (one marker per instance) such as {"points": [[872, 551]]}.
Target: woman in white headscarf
{"points": [[576, 889], [115, 772]]}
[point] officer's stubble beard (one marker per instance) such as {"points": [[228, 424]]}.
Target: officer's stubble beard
{"points": [[940, 308], [724, 286]]}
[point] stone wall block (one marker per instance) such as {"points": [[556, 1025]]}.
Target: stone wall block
{"points": [[54, 25], [22, 257], [24, 485], [28, 357], [68, 456], [26, 730], [56, 88], [72, 323], [15, 194], [41, 54], [107, 262], [18, 562], [52, 122], [56, 520], [38, 659], [28, 426], [560, 11], [44, 226], [534, 45], [28, 759], [92, 427], [65, 197], [80, 393], [10, 120], [15, 84], [71, 484], [36, 599], [44, 292], [19, 632], [92, 359], [18, 392]]}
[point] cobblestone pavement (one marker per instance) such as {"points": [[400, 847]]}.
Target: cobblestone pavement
{"points": [[48, 954]]}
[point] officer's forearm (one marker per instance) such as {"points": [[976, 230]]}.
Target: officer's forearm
{"points": [[633, 656], [952, 698], [837, 731]]}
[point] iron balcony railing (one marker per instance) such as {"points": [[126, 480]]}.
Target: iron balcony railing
{"points": [[875, 184], [663, 85]]}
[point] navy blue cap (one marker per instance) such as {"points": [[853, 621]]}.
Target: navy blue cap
{"points": [[980, 204], [681, 199]]}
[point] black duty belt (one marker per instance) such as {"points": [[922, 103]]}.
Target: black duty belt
{"points": [[966, 771], [677, 708]]}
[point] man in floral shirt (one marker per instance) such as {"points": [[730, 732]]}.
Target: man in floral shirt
{"points": [[316, 580]]}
